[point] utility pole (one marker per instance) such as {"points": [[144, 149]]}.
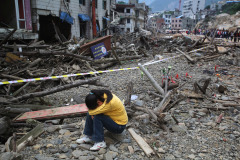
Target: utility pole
{"points": [[179, 5], [94, 19]]}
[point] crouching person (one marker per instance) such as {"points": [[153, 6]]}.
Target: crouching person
{"points": [[105, 111]]}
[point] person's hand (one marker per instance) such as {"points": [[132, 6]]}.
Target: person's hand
{"points": [[92, 117]]}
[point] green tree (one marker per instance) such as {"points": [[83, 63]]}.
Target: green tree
{"points": [[231, 8], [207, 7]]}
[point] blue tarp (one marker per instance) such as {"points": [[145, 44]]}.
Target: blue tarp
{"points": [[84, 17], [180, 16], [106, 18], [66, 17]]}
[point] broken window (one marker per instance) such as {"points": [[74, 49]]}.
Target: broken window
{"points": [[104, 5], [83, 28], [104, 31], [47, 31], [21, 14], [82, 2], [137, 13], [8, 10]]}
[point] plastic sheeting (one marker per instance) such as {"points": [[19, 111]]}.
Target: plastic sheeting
{"points": [[84, 17], [66, 17]]}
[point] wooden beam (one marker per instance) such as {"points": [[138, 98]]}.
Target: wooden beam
{"points": [[187, 56], [34, 133], [154, 83], [55, 89], [146, 148], [7, 37]]}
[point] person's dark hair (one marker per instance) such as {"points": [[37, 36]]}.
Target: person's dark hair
{"points": [[94, 95]]}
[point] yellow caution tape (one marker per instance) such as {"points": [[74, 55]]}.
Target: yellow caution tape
{"points": [[80, 74]]}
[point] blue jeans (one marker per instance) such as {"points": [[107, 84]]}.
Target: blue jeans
{"points": [[95, 127]]}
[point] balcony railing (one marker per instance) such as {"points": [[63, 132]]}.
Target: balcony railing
{"points": [[127, 15]]}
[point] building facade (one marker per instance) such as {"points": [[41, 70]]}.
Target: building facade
{"points": [[70, 18], [167, 17], [176, 24], [191, 7], [132, 15], [188, 23], [160, 24], [16, 14]]}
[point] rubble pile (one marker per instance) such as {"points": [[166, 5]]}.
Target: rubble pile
{"points": [[183, 101], [222, 21]]}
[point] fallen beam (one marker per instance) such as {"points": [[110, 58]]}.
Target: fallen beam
{"points": [[59, 112], [146, 148], [7, 37], [33, 134], [107, 60], [187, 56], [154, 83], [46, 53], [56, 89]]}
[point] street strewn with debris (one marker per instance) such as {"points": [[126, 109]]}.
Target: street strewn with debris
{"points": [[196, 116], [180, 88]]}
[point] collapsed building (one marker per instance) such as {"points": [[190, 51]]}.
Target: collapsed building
{"points": [[42, 19]]}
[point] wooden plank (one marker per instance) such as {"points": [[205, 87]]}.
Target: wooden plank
{"points": [[53, 113], [187, 56], [190, 94], [34, 133], [146, 148]]}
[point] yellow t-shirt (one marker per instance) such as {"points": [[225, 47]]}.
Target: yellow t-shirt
{"points": [[114, 109]]}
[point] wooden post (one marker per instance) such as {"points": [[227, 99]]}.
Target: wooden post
{"points": [[113, 51], [154, 83]]}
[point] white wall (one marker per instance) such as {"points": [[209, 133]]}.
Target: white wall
{"points": [[194, 5], [100, 12], [43, 7], [46, 7]]}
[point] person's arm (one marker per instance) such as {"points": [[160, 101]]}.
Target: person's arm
{"points": [[101, 109]]}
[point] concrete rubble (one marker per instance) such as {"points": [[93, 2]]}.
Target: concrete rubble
{"points": [[196, 117]]}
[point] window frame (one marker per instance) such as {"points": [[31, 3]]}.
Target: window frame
{"points": [[82, 2]]}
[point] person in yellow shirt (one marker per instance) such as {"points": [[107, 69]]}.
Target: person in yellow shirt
{"points": [[105, 110]]}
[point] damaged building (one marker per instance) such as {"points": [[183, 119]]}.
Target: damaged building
{"points": [[16, 14], [133, 15], [43, 19]]}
